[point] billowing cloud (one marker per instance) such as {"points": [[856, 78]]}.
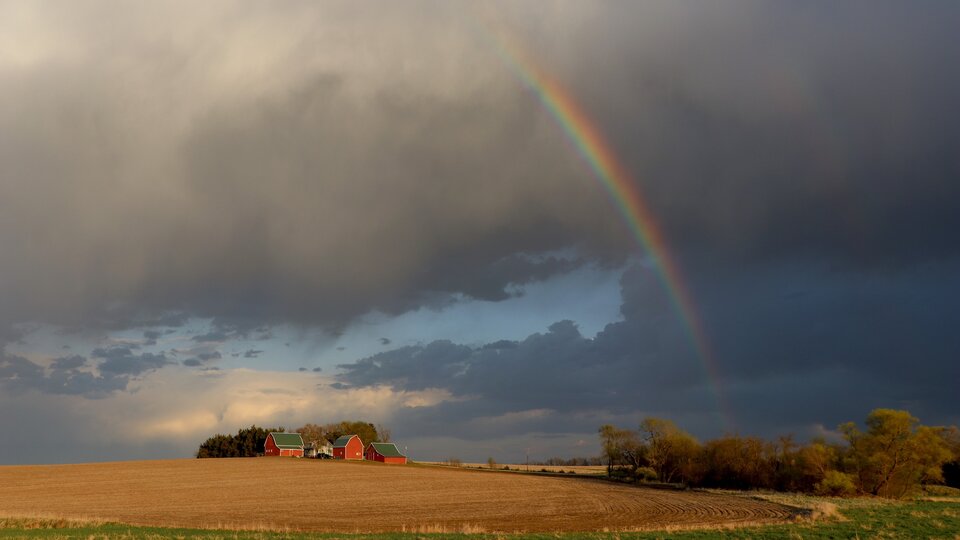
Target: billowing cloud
{"points": [[803, 365], [20, 376], [273, 186], [123, 361]]}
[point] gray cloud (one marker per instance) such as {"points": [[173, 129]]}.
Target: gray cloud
{"points": [[151, 336], [68, 362], [837, 353], [18, 374], [123, 361], [202, 357], [832, 137]]}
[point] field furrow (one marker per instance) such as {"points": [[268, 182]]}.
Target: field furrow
{"points": [[346, 497]]}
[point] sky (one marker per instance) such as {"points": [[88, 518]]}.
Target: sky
{"points": [[230, 213]]}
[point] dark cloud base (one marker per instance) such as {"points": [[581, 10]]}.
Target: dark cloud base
{"points": [[795, 349]]}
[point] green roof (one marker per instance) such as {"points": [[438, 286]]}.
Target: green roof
{"points": [[387, 449], [287, 440], [342, 441]]}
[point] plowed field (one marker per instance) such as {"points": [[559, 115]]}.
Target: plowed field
{"points": [[314, 495]]}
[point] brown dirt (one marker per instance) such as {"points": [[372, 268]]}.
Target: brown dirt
{"points": [[577, 469], [300, 494]]}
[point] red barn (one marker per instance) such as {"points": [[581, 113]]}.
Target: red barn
{"points": [[385, 453], [348, 447], [283, 444]]}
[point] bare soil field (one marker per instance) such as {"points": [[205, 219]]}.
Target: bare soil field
{"points": [[576, 469], [314, 495]]}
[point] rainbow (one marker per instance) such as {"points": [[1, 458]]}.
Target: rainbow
{"points": [[624, 193]]}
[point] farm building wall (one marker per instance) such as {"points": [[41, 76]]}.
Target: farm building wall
{"points": [[270, 447], [353, 450], [373, 455]]}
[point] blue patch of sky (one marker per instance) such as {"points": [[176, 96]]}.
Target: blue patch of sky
{"points": [[589, 296]]}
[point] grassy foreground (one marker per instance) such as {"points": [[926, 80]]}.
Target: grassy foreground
{"points": [[856, 518]]}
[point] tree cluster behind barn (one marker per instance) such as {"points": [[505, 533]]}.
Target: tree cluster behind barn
{"points": [[346, 447]]}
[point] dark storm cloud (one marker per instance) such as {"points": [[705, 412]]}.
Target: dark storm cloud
{"points": [[385, 341], [223, 329], [640, 363], [816, 346], [759, 131], [68, 362], [777, 132], [123, 361], [202, 357], [18, 374], [151, 336], [252, 353]]}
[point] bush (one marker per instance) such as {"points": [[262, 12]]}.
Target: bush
{"points": [[836, 484], [646, 474]]}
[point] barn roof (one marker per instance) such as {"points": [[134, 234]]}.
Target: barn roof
{"points": [[342, 441], [287, 440], [387, 449]]}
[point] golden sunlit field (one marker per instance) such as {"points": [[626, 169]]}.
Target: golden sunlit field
{"points": [[312, 495]]}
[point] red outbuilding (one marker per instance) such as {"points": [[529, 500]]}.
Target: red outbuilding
{"points": [[348, 447], [385, 453], [283, 444]]}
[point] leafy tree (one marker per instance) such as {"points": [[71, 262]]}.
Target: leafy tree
{"points": [[312, 433], [738, 463], [621, 448], [815, 460], [248, 442], [951, 469], [669, 450], [365, 430], [895, 454]]}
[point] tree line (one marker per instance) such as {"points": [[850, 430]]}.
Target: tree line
{"points": [[248, 442], [893, 457]]}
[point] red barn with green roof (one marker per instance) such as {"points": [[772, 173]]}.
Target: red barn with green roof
{"points": [[385, 453], [283, 444], [348, 447]]}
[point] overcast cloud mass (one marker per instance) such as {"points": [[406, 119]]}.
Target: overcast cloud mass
{"points": [[203, 205]]}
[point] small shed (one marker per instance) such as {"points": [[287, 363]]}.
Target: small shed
{"points": [[283, 444], [385, 453], [348, 447]]}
